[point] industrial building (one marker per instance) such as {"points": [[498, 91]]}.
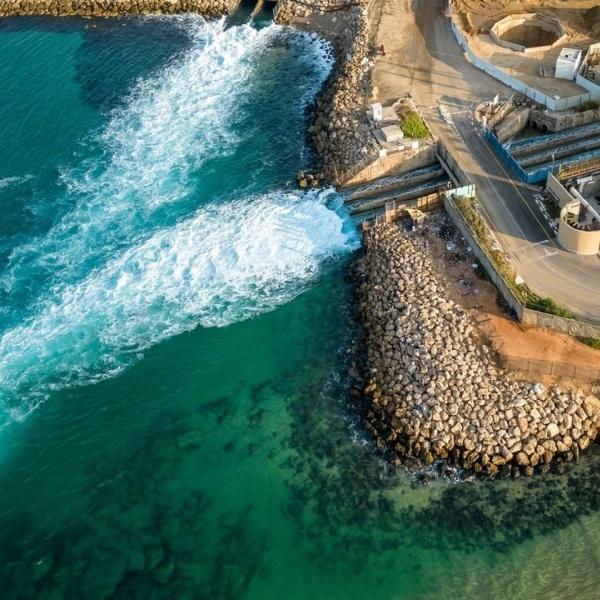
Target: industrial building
{"points": [[579, 220]]}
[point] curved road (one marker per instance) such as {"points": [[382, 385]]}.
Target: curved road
{"points": [[423, 57]]}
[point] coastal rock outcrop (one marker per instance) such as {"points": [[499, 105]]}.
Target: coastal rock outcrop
{"points": [[434, 389], [115, 8], [338, 128]]}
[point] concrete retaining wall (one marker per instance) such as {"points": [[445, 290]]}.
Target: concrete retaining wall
{"points": [[555, 187], [572, 327], [546, 121], [555, 104], [511, 21], [394, 164], [114, 8]]}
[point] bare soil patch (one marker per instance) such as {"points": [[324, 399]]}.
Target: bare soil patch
{"points": [[509, 338], [576, 17]]}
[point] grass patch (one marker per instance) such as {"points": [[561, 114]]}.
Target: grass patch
{"points": [[591, 342], [413, 126], [589, 105], [483, 236], [549, 306]]}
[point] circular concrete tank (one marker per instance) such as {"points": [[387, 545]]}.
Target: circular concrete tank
{"points": [[527, 32]]}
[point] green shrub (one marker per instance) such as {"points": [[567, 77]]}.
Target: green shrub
{"points": [[592, 342], [589, 105], [549, 306], [413, 126]]}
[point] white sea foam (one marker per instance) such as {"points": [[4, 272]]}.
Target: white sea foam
{"points": [[11, 181], [226, 263], [151, 147], [229, 261]]}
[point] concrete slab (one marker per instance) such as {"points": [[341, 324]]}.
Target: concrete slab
{"points": [[392, 133]]}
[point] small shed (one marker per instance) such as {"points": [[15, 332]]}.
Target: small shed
{"points": [[567, 63]]}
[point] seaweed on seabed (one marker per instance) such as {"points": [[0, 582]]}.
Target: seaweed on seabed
{"points": [[133, 540], [503, 514], [337, 493]]}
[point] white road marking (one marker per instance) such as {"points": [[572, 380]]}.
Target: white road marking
{"points": [[531, 244], [528, 262]]}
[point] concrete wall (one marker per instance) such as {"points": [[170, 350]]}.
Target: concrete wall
{"points": [[514, 123], [516, 84], [394, 164], [574, 240], [532, 19], [556, 188], [572, 327], [456, 169], [545, 121], [591, 86]]}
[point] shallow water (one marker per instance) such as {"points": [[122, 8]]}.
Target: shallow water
{"points": [[176, 322]]}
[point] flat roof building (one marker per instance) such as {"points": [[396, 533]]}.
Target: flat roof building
{"points": [[567, 63]]}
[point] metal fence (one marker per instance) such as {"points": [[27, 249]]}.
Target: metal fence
{"points": [[579, 169], [547, 367]]}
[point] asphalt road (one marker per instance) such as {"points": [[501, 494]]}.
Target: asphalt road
{"points": [[423, 57]]}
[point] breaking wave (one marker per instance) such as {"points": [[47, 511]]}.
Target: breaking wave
{"points": [[117, 274]]}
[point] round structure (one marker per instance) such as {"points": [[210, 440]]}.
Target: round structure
{"points": [[572, 236], [528, 32]]}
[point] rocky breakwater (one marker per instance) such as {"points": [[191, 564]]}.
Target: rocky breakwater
{"points": [[434, 391], [338, 127], [114, 8]]}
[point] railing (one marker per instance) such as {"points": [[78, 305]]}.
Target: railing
{"points": [[583, 168], [547, 367]]}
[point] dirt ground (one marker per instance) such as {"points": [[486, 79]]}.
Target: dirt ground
{"points": [[505, 335], [576, 15], [581, 23]]}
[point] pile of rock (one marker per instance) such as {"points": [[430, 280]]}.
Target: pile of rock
{"points": [[114, 8], [434, 390], [338, 127]]}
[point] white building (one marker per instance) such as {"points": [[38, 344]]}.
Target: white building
{"points": [[567, 63]]}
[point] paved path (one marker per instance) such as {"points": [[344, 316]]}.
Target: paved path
{"points": [[423, 57]]}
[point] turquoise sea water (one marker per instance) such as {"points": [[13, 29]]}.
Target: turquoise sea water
{"points": [[175, 329]]}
